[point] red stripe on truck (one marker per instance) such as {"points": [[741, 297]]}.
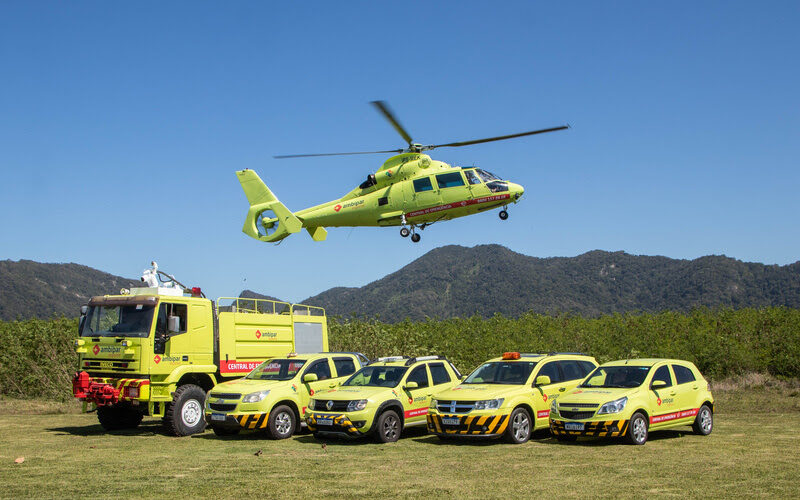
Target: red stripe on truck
{"points": [[234, 366], [673, 416]]}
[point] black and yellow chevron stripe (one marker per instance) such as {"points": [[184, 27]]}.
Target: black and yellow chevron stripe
{"points": [[340, 423], [253, 420], [603, 428], [476, 425]]}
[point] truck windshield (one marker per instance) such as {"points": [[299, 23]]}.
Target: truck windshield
{"points": [[276, 369], [118, 321], [617, 376], [502, 372], [377, 376]]}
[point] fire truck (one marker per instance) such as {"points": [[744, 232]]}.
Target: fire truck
{"points": [[157, 350]]}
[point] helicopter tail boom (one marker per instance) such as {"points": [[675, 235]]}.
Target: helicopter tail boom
{"points": [[268, 219]]}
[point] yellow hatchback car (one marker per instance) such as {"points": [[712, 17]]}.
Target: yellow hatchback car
{"points": [[632, 397]]}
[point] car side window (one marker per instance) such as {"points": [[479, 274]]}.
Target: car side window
{"points": [[439, 373], [344, 366], [571, 370], [587, 367], [663, 374], [419, 375], [551, 370], [423, 184], [321, 368], [682, 374]]}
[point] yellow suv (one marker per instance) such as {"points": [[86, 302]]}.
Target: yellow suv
{"points": [[274, 396], [632, 397], [509, 395], [382, 398]]}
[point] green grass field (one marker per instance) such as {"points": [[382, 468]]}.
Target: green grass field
{"points": [[753, 451]]}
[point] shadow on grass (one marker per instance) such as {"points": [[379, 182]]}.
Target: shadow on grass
{"points": [[618, 441], [145, 429]]}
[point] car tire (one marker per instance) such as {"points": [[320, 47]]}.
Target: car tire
{"points": [[637, 429], [225, 431], [520, 426], [704, 421], [184, 415], [389, 427], [282, 422], [118, 417]]}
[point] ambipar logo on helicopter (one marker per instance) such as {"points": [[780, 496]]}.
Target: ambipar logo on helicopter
{"points": [[408, 185]]}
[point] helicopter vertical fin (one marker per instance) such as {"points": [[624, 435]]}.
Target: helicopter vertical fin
{"points": [[262, 200], [317, 233]]}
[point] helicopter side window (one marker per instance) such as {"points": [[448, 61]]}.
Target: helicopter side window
{"points": [[450, 179], [471, 177], [423, 184]]}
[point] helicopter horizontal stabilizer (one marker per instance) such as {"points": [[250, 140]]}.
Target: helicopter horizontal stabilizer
{"points": [[268, 219]]}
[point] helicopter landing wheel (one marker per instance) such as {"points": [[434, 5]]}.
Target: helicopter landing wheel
{"points": [[415, 237], [404, 232], [503, 215]]}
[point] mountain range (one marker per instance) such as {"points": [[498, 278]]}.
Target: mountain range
{"points": [[456, 281]]}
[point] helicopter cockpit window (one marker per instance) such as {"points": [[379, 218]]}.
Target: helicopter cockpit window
{"points": [[497, 186], [450, 179], [369, 182], [423, 184], [472, 178], [487, 176]]}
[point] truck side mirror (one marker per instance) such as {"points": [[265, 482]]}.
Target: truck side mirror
{"points": [[174, 324], [542, 380], [310, 377]]}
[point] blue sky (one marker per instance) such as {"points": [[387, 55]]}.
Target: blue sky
{"points": [[123, 125]]}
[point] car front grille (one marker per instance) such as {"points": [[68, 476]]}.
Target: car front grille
{"points": [[455, 406], [322, 405], [225, 395], [576, 405], [222, 406], [576, 415]]}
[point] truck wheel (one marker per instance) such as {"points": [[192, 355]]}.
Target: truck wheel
{"points": [[184, 416], [118, 417], [519, 426], [225, 431], [389, 427], [704, 422], [637, 429], [281, 423]]}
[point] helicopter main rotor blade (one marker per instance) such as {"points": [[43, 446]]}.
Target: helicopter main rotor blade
{"points": [[498, 138], [281, 157], [383, 108]]}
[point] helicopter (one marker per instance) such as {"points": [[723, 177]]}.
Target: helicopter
{"points": [[410, 190]]}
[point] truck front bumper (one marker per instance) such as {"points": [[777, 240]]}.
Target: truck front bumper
{"points": [[109, 391], [241, 421], [588, 428], [334, 423], [466, 425]]}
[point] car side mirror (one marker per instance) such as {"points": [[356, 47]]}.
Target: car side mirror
{"points": [[411, 385], [310, 377], [542, 380], [658, 384], [463, 377], [84, 310]]}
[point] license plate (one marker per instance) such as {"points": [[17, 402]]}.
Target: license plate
{"points": [[324, 421], [106, 364], [451, 420], [573, 426], [217, 416]]}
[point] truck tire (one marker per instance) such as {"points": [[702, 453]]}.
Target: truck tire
{"points": [[184, 415], [118, 417], [389, 427], [281, 423]]}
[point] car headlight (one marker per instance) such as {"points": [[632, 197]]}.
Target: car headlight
{"points": [[311, 404], [357, 405], [433, 404], [255, 397], [489, 404], [554, 407], [615, 406]]}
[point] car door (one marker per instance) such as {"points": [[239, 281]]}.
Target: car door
{"points": [[548, 392], [322, 369], [687, 391], [419, 397], [663, 406]]}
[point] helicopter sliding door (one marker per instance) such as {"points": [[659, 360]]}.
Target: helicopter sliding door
{"points": [[425, 193]]}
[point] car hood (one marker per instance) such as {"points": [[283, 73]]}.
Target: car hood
{"points": [[347, 393], [245, 385], [598, 395], [475, 392]]}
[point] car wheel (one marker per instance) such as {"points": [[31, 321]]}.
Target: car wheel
{"points": [[389, 427], [637, 429], [225, 431], [184, 415], [704, 422], [519, 426], [281, 422]]}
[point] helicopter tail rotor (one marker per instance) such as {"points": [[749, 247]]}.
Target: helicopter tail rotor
{"points": [[268, 219]]}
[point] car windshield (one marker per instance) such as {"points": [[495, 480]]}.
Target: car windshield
{"points": [[617, 376], [377, 376], [502, 372], [132, 320], [276, 369]]}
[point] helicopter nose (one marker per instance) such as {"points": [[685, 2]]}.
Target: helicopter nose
{"points": [[516, 190]]}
